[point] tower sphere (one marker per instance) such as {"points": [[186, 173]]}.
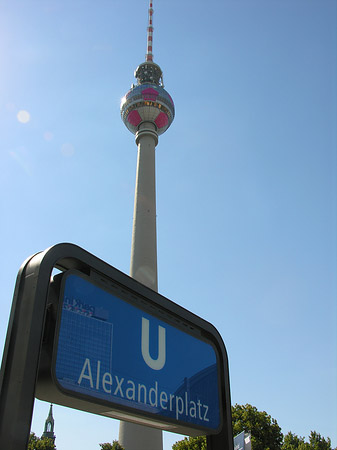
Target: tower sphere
{"points": [[148, 101]]}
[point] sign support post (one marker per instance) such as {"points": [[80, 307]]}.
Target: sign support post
{"points": [[20, 359]]}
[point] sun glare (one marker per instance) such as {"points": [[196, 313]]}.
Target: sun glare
{"points": [[23, 116]]}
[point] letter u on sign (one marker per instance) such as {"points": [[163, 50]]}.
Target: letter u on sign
{"points": [[155, 364]]}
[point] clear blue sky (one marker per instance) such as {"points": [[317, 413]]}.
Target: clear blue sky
{"points": [[246, 178]]}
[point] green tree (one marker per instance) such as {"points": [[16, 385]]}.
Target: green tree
{"points": [[316, 442], [266, 434], [191, 443], [35, 443], [114, 446], [293, 442], [265, 431]]}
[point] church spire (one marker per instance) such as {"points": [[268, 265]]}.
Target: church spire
{"points": [[49, 425]]}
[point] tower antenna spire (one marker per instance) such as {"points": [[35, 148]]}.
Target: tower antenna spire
{"points": [[149, 54]]}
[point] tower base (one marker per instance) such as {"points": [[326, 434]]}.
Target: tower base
{"points": [[137, 437]]}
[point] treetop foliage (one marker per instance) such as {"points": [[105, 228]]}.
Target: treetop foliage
{"points": [[265, 432], [114, 446], [36, 443], [316, 442], [191, 443]]}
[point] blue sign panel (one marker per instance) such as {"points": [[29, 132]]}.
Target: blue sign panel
{"points": [[114, 350]]}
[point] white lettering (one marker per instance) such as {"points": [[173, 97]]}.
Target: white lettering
{"points": [[119, 386], [141, 386], [206, 419], [107, 380], [141, 393], [179, 401], [155, 364], [199, 406], [86, 365], [193, 409], [97, 374], [171, 398], [131, 390], [155, 392], [162, 399]]}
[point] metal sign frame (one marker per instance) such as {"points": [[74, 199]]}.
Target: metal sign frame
{"points": [[68, 393], [22, 353]]}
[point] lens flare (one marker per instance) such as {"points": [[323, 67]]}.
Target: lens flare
{"points": [[67, 149], [23, 116]]}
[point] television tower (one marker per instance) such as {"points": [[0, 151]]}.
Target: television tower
{"points": [[147, 110]]}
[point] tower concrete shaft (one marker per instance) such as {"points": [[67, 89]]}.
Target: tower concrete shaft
{"points": [[143, 265], [138, 437]]}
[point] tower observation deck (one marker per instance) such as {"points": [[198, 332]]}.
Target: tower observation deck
{"points": [[148, 101]]}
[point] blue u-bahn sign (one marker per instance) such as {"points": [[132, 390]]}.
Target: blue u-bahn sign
{"points": [[119, 352], [94, 339]]}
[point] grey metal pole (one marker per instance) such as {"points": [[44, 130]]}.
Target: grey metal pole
{"points": [[143, 265]]}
